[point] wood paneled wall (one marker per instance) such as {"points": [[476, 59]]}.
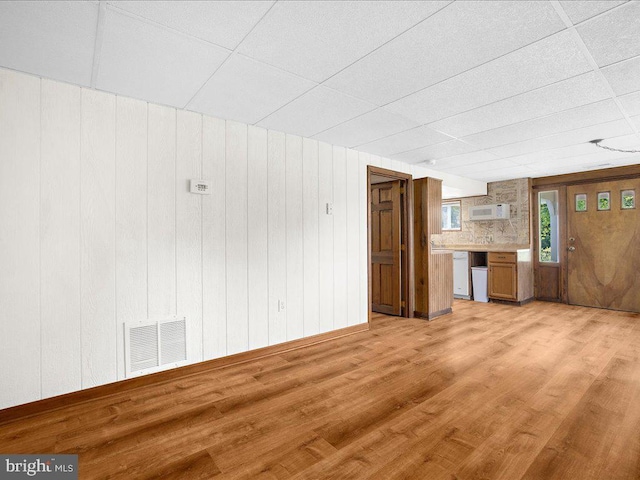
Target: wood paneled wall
{"points": [[98, 228]]}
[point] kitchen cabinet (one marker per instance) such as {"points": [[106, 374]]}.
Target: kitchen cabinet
{"points": [[509, 277], [433, 268]]}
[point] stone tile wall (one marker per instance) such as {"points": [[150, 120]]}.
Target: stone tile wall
{"points": [[493, 232]]}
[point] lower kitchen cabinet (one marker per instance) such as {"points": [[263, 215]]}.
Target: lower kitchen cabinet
{"points": [[508, 277]]}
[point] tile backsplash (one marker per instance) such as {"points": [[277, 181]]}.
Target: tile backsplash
{"points": [[493, 232]]}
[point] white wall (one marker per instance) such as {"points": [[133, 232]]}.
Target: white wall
{"points": [[98, 228]]}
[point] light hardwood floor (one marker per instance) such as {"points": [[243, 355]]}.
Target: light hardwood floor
{"points": [[543, 391]]}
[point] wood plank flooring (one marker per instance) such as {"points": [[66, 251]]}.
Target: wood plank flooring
{"points": [[543, 391]]}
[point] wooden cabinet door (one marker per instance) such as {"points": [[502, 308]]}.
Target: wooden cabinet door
{"points": [[503, 281], [386, 239]]}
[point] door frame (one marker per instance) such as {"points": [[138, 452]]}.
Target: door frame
{"points": [[407, 236], [561, 265], [561, 182]]}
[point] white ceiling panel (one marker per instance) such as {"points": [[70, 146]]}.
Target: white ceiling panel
{"points": [[459, 37], [366, 128], [433, 152], [574, 92], [550, 60], [613, 36], [224, 23], [631, 103], [457, 161], [600, 159], [401, 142], [615, 128], [318, 39], [143, 60], [247, 91], [554, 154], [504, 173], [480, 167], [51, 39], [600, 112], [581, 10], [316, 111], [636, 121], [492, 171], [624, 77]]}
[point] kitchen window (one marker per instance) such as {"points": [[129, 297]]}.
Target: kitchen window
{"points": [[451, 216]]}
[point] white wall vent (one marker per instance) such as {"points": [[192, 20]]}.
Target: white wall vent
{"points": [[501, 211], [153, 346]]}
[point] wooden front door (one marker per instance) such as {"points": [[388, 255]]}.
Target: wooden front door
{"points": [[603, 248], [386, 244]]}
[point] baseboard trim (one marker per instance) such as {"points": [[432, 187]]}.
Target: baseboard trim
{"points": [[432, 315], [513, 302], [54, 403]]}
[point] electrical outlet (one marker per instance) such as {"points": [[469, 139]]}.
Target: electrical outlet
{"points": [[329, 208]]}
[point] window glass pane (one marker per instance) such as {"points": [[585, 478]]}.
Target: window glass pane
{"points": [[548, 226], [451, 216], [455, 216]]}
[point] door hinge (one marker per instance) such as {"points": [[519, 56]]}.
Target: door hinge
{"points": [[403, 304], [402, 190], [402, 247]]}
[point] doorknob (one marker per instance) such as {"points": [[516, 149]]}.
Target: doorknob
{"points": [[571, 249]]}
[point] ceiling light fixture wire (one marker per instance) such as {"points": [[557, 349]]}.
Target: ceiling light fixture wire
{"points": [[597, 144]]}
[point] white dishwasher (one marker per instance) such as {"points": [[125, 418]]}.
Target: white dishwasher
{"points": [[461, 275]]}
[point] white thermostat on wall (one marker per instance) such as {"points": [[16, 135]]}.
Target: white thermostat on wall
{"points": [[202, 187]]}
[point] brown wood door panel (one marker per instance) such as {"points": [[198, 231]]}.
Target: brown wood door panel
{"points": [[604, 268], [386, 238], [503, 281]]}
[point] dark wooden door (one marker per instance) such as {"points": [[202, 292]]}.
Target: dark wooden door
{"points": [[386, 244], [603, 248]]}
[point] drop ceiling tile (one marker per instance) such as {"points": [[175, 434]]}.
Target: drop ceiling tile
{"points": [[149, 62], [224, 23], [574, 92], [587, 162], [459, 37], [458, 161], [550, 60], [479, 167], [502, 173], [247, 91], [318, 39], [433, 152], [581, 10], [554, 154], [366, 128], [587, 115], [401, 142], [624, 77], [51, 39], [631, 103], [636, 121], [573, 137], [316, 111], [613, 36]]}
